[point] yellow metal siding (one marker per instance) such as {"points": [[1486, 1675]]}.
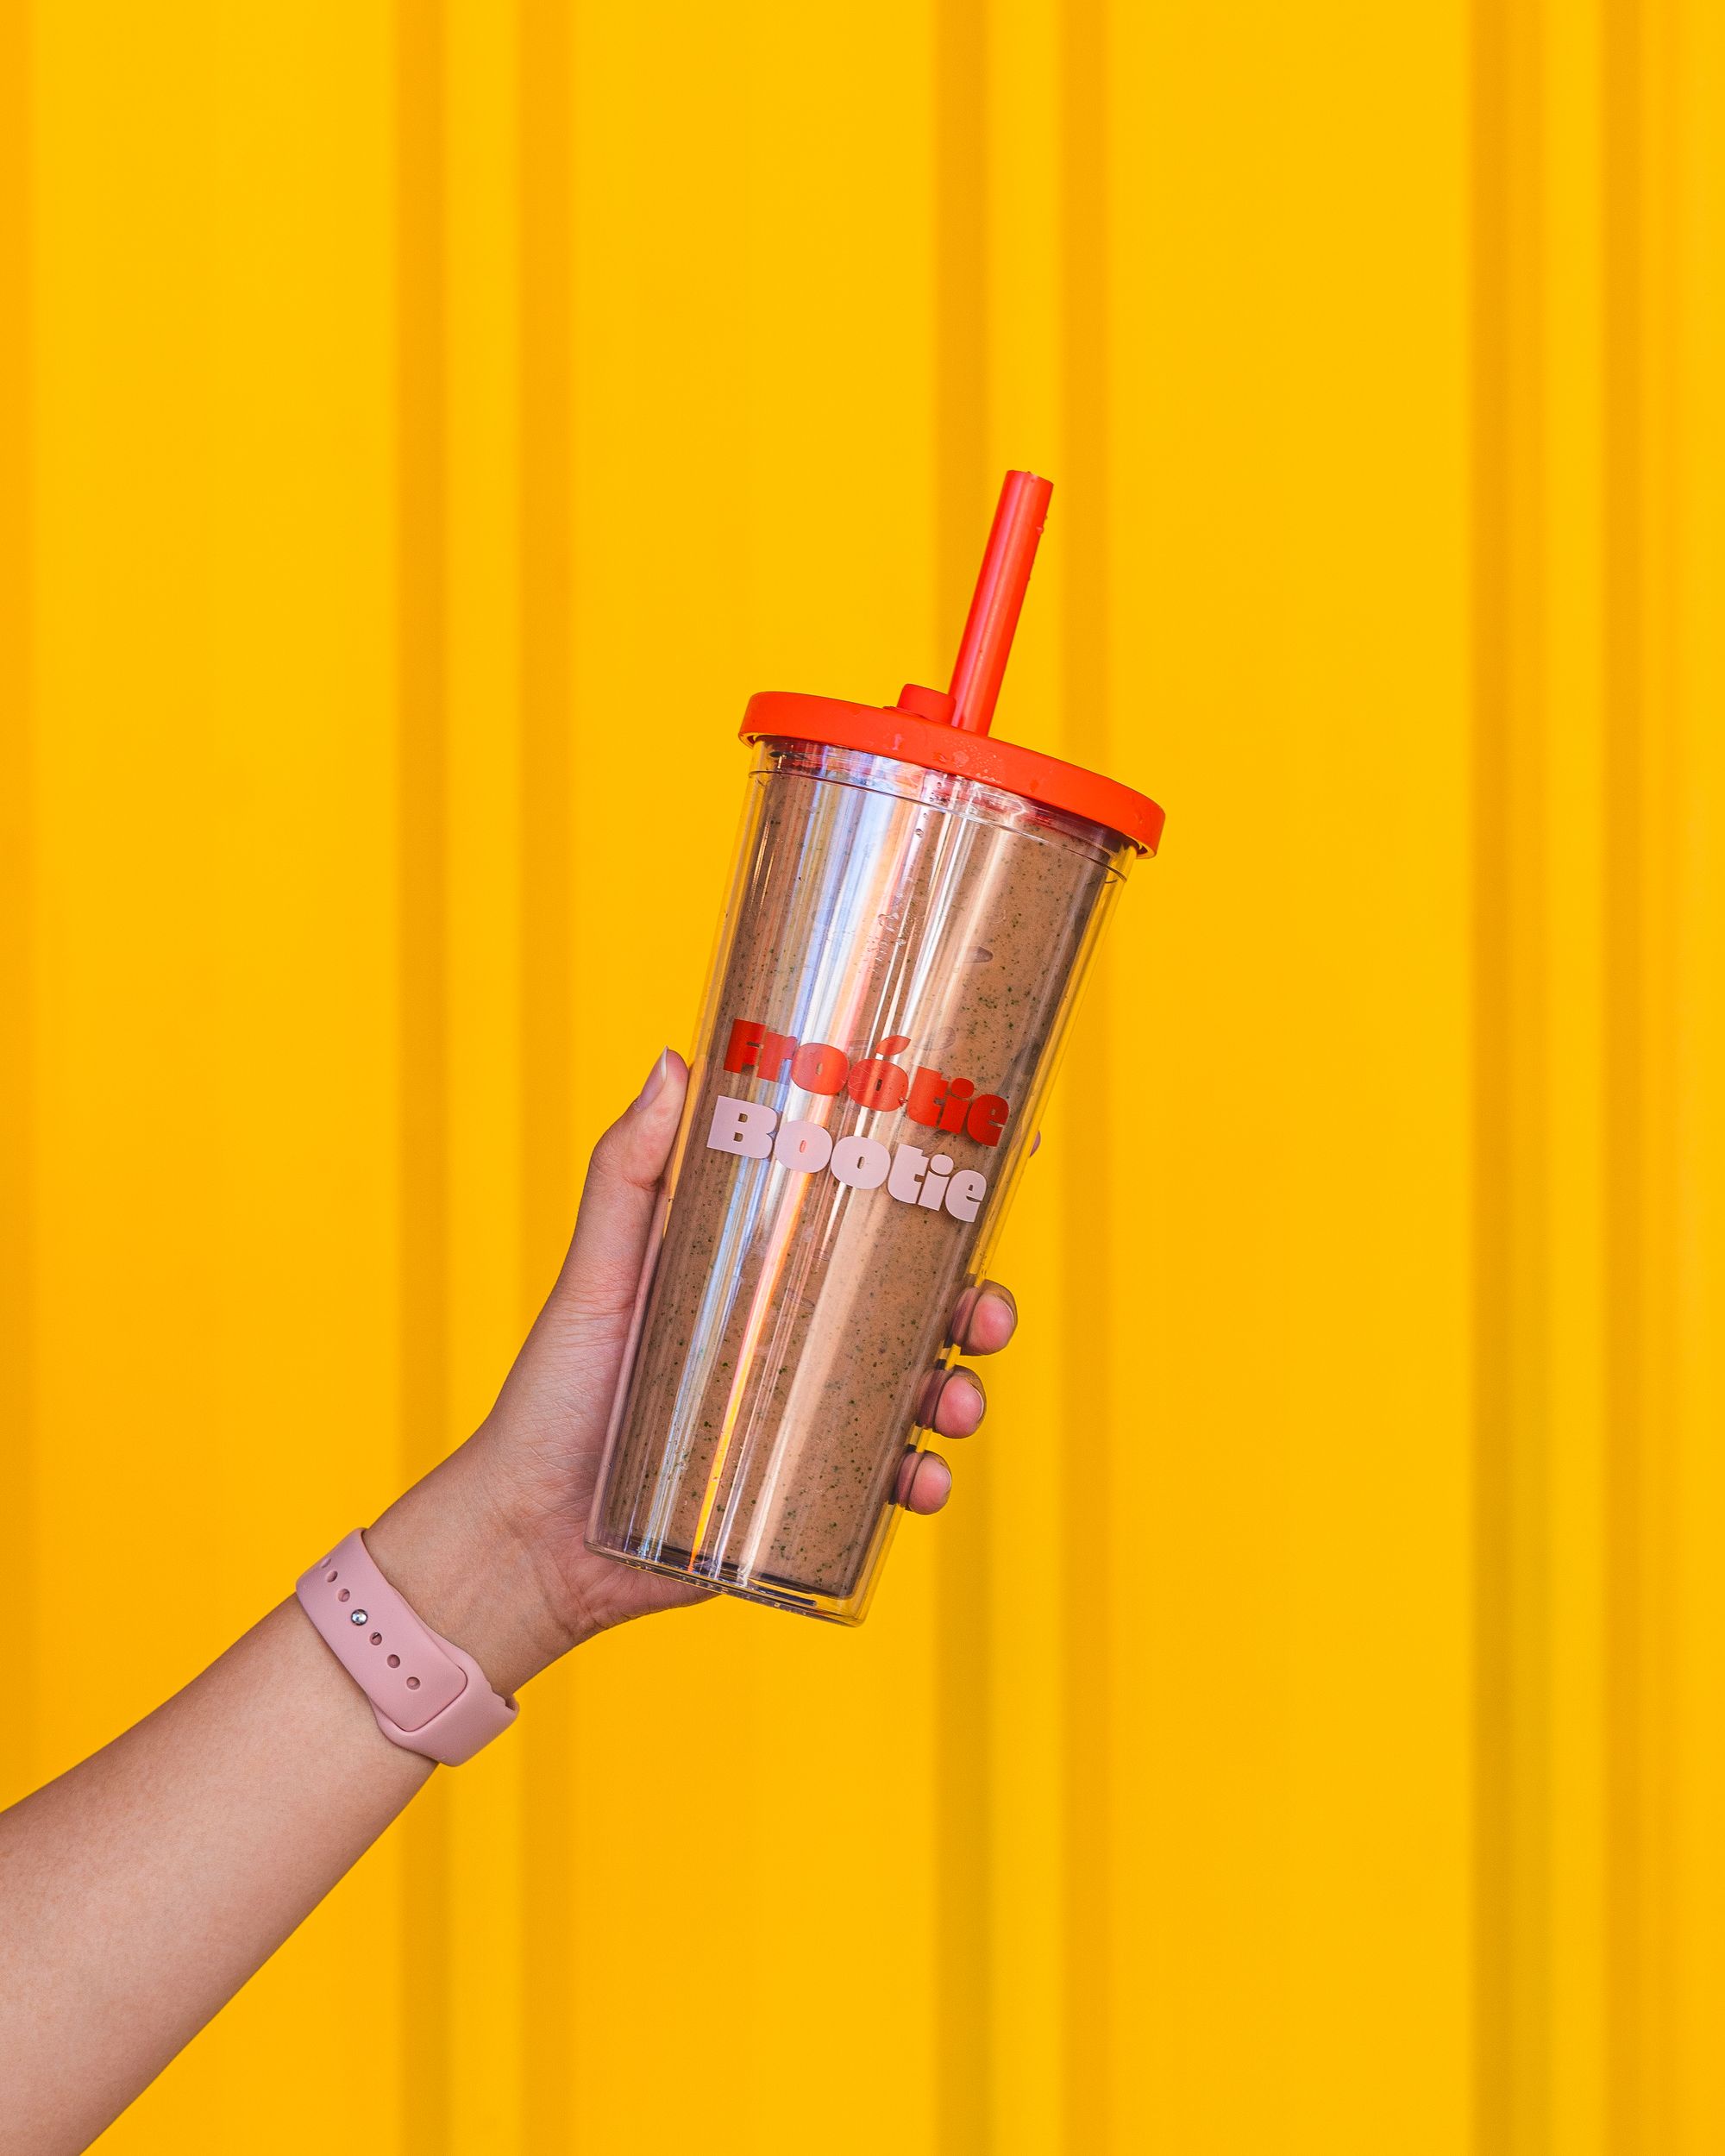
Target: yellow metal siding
{"points": [[421, 429]]}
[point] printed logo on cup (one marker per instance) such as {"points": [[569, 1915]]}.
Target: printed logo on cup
{"points": [[754, 1131]]}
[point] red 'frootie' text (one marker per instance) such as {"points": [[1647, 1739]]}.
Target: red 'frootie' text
{"points": [[877, 1081]]}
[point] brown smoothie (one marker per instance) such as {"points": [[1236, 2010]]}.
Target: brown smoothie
{"points": [[795, 1316]]}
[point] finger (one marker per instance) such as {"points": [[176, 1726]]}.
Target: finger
{"points": [[924, 1482], [986, 1318], [960, 1405], [603, 1270]]}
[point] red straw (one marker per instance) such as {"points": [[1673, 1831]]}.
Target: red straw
{"points": [[987, 636]]}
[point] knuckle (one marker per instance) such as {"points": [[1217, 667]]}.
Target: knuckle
{"points": [[614, 1160]]}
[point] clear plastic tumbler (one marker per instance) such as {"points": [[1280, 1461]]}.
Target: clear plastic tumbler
{"points": [[912, 911]]}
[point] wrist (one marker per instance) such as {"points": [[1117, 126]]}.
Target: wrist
{"points": [[451, 1548]]}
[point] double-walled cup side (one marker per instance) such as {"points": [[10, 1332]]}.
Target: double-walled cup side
{"points": [[898, 959]]}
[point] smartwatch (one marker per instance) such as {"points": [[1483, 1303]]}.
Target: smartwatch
{"points": [[427, 1695]]}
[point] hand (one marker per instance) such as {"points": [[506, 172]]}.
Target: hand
{"points": [[488, 1548]]}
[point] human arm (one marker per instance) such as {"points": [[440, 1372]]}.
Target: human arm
{"points": [[141, 1888]]}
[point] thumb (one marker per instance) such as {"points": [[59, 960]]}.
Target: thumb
{"points": [[603, 1270]]}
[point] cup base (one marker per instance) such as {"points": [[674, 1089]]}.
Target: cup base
{"points": [[769, 1593]]}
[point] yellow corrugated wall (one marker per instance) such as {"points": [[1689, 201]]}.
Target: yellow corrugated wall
{"points": [[422, 429]]}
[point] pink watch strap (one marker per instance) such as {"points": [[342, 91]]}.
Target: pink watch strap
{"points": [[427, 1696]]}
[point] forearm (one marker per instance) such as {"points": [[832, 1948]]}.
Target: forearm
{"points": [[141, 1890]]}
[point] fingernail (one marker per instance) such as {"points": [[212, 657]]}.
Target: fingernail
{"points": [[655, 1078], [972, 1383]]}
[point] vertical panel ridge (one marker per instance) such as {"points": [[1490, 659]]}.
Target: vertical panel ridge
{"points": [[1511, 1284], [422, 898], [1491, 153], [964, 2126], [1621, 661], [18, 908], [548, 962], [1088, 1247], [1639, 1168]]}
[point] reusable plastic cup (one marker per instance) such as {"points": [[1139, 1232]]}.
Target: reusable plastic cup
{"points": [[912, 911]]}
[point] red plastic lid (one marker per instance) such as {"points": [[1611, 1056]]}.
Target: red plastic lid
{"points": [[947, 729], [878, 732]]}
